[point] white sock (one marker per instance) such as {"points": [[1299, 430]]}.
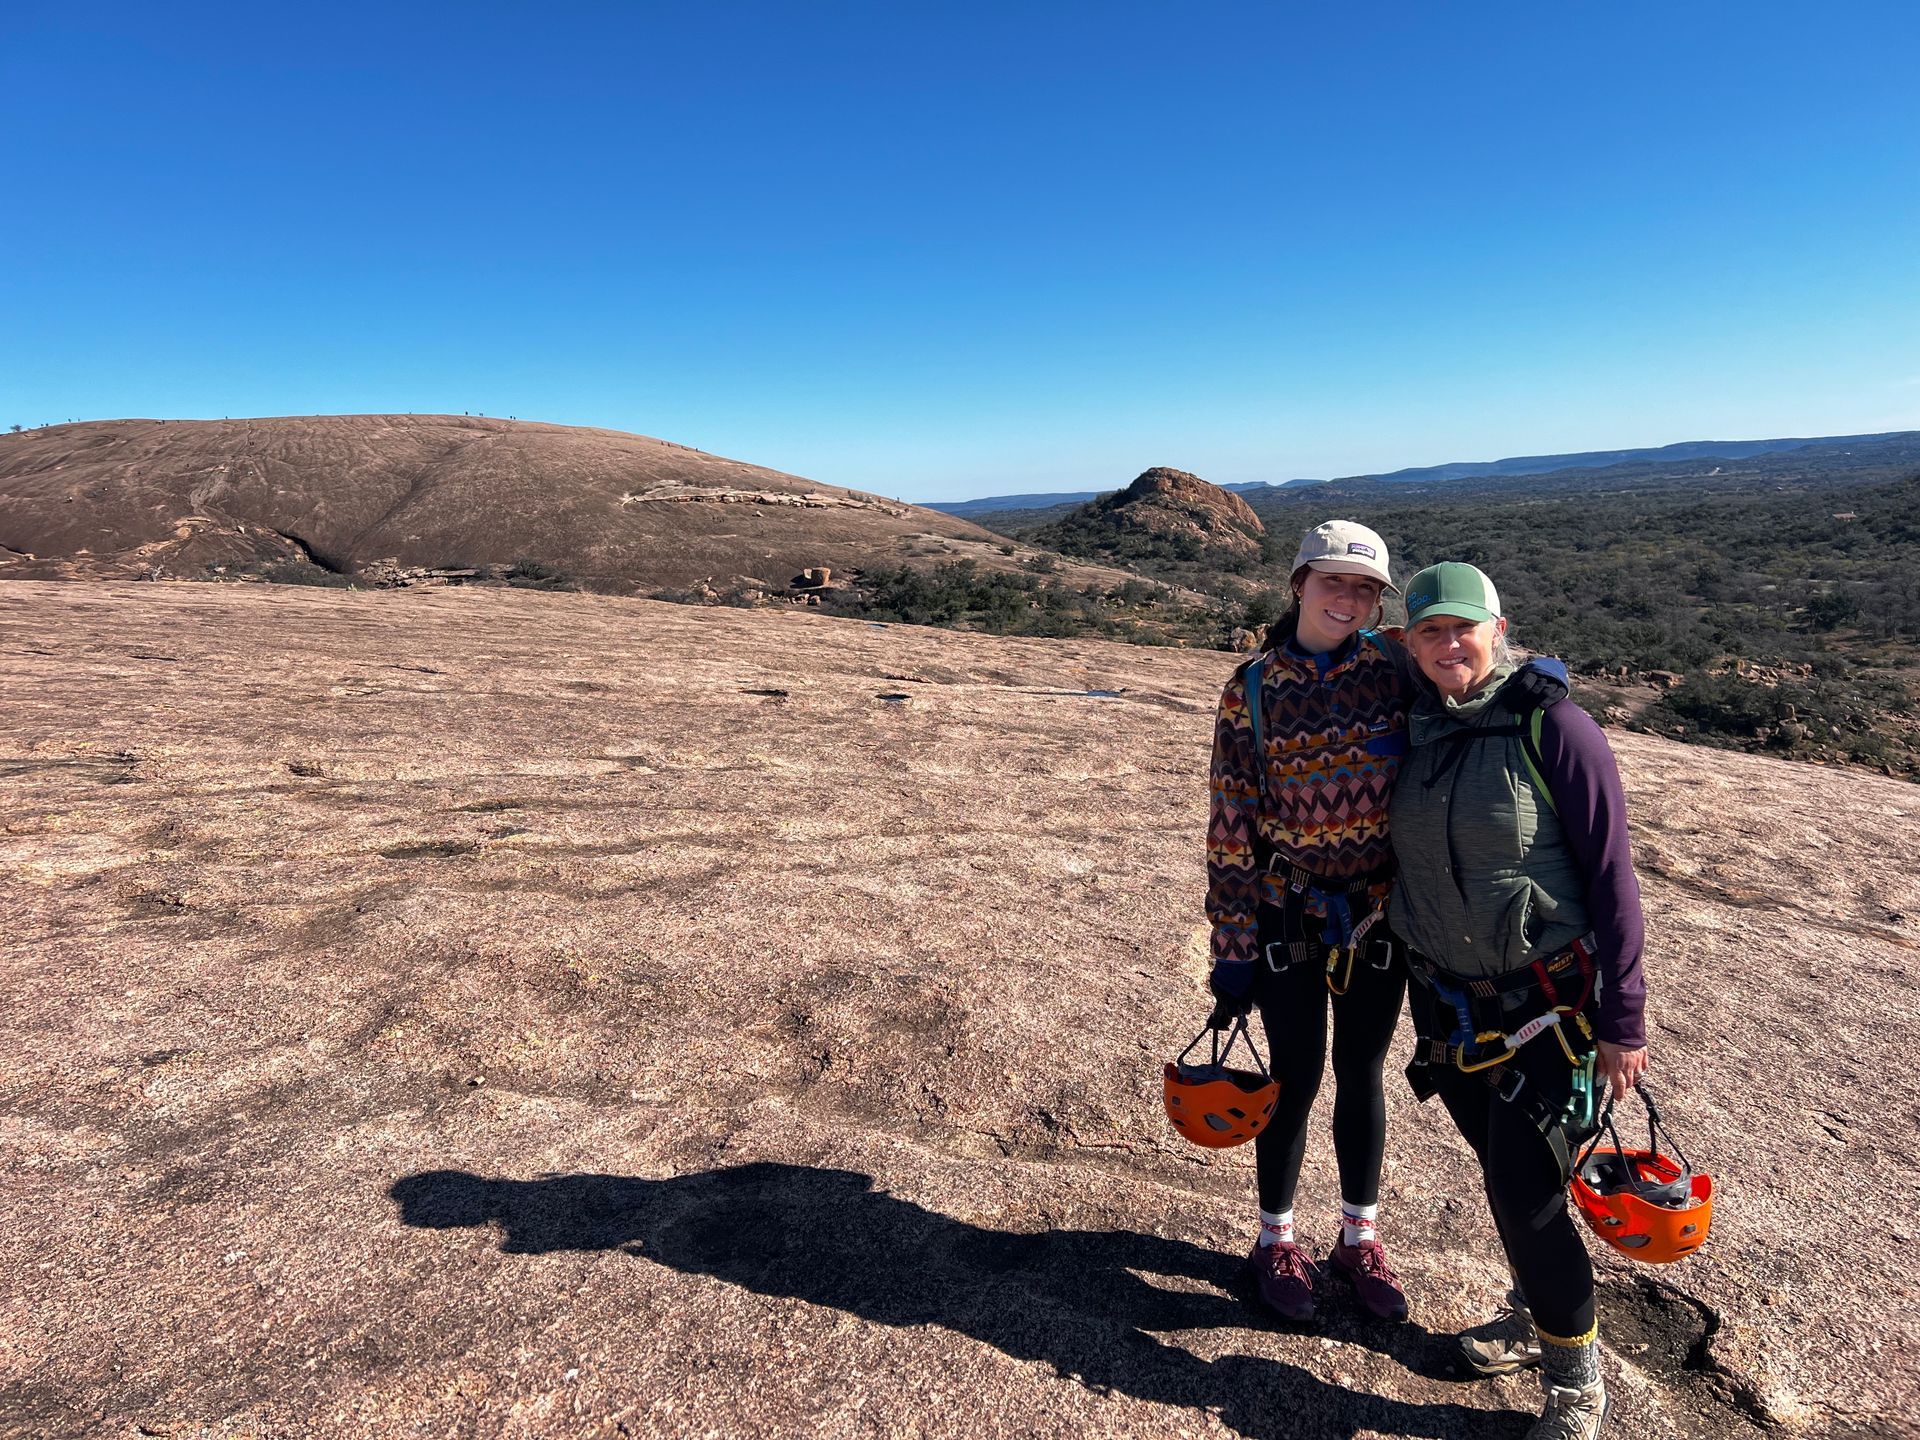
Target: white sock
{"points": [[1358, 1222], [1275, 1229]]}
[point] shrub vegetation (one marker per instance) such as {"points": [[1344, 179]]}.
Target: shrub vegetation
{"points": [[1811, 578], [959, 594]]}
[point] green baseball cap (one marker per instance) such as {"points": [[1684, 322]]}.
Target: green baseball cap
{"points": [[1452, 588]]}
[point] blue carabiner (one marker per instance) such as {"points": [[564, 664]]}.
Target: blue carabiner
{"points": [[1463, 1031], [1339, 928]]}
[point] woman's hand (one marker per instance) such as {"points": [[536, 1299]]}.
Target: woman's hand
{"points": [[1620, 1067]]}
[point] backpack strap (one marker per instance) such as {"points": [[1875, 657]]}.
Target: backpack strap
{"points": [[1536, 762], [1528, 732], [1252, 673]]}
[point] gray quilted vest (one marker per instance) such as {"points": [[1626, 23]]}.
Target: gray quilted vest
{"points": [[1487, 884]]}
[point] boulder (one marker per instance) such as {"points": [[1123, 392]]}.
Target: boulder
{"points": [[1167, 512]]}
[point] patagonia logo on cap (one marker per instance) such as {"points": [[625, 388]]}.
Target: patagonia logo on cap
{"points": [[1354, 547]]}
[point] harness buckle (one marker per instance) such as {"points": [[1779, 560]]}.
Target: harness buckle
{"points": [[1284, 955], [1510, 1085]]}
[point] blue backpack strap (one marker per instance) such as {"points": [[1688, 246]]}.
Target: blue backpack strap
{"points": [[1252, 673]]}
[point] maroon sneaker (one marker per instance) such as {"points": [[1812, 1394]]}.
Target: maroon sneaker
{"points": [[1365, 1266], [1283, 1276]]}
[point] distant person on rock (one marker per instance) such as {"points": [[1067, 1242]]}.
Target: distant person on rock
{"points": [[1306, 745], [1517, 899]]}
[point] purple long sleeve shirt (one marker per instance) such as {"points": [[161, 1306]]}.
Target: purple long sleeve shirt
{"points": [[1585, 784]]}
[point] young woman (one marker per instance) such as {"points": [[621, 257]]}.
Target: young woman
{"points": [[1298, 864], [1517, 900]]}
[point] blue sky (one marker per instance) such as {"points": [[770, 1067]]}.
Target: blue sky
{"points": [[951, 250]]}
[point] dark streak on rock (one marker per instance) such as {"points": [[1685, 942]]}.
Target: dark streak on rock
{"points": [[439, 849]]}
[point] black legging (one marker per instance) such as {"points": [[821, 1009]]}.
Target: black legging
{"points": [[1523, 1182], [1293, 1011]]}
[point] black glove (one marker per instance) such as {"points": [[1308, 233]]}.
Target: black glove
{"points": [[1227, 1009], [1231, 982], [1537, 684]]}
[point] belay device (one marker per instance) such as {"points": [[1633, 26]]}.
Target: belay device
{"points": [[1214, 1104]]}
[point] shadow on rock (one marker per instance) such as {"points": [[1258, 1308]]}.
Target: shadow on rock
{"points": [[1076, 1300]]}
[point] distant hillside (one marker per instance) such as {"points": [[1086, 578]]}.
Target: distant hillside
{"points": [[1019, 524], [1685, 452], [339, 493], [996, 504], [967, 509], [410, 499], [1809, 468], [1663, 459]]}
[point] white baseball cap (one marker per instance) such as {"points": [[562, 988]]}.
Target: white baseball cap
{"points": [[1342, 547]]}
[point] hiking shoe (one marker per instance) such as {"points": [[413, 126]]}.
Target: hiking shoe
{"points": [[1283, 1276], [1365, 1266], [1572, 1413], [1502, 1345]]}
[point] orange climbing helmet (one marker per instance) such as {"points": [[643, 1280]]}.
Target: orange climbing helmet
{"points": [[1214, 1104], [1645, 1205]]}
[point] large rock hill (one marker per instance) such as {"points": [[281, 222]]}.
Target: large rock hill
{"points": [[1164, 514], [483, 1013], [132, 498]]}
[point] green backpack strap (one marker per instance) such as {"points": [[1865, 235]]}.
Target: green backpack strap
{"points": [[1536, 763]]}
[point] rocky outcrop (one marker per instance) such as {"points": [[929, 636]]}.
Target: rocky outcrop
{"points": [[391, 575], [1165, 515], [445, 1011], [618, 512], [1189, 497]]}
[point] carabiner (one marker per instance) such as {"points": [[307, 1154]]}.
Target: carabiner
{"points": [[1333, 964]]}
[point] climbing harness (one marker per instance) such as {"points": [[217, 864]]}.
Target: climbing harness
{"points": [[1480, 1043], [1552, 995], [1645, 1205], [1341, 935], [1216, 1105]]}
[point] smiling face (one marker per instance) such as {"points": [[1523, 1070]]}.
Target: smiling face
{"points": [[1333, 606], [1457, 655]]}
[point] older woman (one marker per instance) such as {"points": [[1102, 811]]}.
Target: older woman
{"points": [[1517, 898]]}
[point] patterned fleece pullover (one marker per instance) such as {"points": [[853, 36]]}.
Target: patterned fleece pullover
{"points": [[1335, 728]]}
